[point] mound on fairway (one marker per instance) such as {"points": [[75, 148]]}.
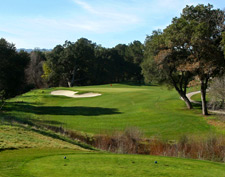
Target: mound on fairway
{"points": [[73, 94]]}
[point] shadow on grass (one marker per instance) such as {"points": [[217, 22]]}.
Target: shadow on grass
{"points": [[197, 106], [56, 136], [137, 84], [57, 110], [6, 117]]}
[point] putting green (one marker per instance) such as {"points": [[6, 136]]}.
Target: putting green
{"points": [[120, 165]]}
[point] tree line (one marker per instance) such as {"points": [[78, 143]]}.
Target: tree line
{"points": [[191, 48], [73, 63], [85, 63]]}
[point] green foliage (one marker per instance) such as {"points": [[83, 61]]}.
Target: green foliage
{"points": [[223, 42], [150, 69], [46, 71], [12, 66], [34, 71], [85, 63], [163, 60], [206, 60], [189, 46]]}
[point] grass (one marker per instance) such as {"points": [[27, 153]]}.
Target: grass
{"points": [[16, 137], [197, 97], [155, 110], [51, 163], [81, 92], [12, 161]]}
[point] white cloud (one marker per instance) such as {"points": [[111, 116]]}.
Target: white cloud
{"points": [[86, 6], [108, 20]]}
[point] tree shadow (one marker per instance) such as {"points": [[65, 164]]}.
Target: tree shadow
{"points": [[6, 117], [57, 110], [15, 103], [196, 105]]}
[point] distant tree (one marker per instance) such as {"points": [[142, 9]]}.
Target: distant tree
{"points": [[46, 72], [136, 54], [35, 69], [121, 66], [136, 51], [84, 60], [71, 63], [12, 67], [149, 67], [102, 65], [53, 69], [223, 42], [132, 55]]}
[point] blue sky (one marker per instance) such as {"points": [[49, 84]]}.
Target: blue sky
{"points": [[47, 23]]}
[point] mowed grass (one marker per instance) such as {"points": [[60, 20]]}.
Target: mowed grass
{"points": [[51, 163], [155, 110], [13, 161], [197, 97]]}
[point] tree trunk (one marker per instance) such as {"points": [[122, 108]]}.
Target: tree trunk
{"points": [[73, 77], [203, 98], [182, 93], [69, 84], [223, 104], [3, 103], [186, 100]]}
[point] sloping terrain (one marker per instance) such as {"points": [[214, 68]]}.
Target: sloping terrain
{"points": [[29, 151], [154, 110]]}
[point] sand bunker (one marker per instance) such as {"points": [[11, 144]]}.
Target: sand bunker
{"points": [[73, 94]]}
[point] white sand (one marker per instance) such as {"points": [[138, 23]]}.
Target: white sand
{"points": [[72, 94]]}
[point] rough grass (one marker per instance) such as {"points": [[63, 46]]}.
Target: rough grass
{"points": [[51, 163], [15, 137], [155, 110]]}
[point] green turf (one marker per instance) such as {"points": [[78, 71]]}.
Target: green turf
{"points": [[197, 97], [16, 137], [51, 163], [12, 161], [155, 110]]}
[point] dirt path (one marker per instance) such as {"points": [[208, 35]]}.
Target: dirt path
{"points": [[73, 94], [189, 95]]}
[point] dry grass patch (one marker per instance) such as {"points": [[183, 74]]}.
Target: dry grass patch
{"points": [[13, 137]]}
